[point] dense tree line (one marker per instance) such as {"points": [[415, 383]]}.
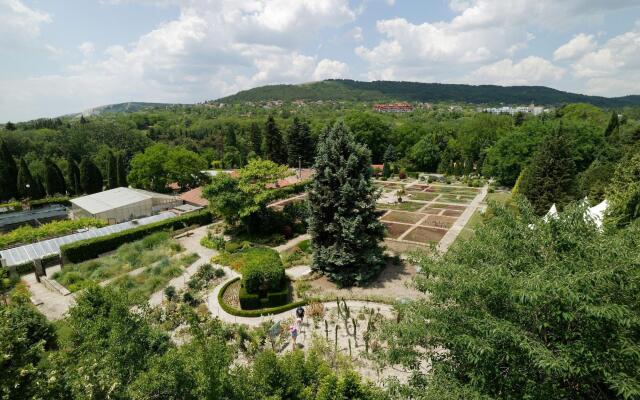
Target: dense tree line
{"points": [[454, 142]]}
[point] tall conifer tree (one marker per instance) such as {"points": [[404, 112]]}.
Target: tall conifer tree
{"points": [[112, 172], [90, 177], [300, 144], [121, 170], [274, 147], [26, 184], [343, 224], [53, 180], [551, 176], [256, 139], [73, 177], [8, 174]]}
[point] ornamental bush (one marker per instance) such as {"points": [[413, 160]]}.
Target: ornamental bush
{"points": [[262, 270]]}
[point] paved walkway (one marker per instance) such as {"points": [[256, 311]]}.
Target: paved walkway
{"points": [[297, 272], [52, 304], [217, 311], [461, 222], [292, 243]]}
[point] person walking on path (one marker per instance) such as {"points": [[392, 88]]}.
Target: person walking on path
{"points": [[293, 329], [300, 314]]}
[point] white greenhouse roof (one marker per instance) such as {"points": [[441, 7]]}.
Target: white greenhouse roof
{"points": [[34, 251], [115, 198]]}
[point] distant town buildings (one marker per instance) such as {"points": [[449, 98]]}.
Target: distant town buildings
{"points": [[531, 109], [393, 107]]}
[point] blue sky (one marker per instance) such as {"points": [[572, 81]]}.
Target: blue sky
{"points": [[66, 56]]}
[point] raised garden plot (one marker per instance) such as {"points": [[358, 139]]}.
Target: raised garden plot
{"points": [[423, 234], [439, 221], [401, 216], [431, 211], [452, 213], [422, 196], [394, 231], [455, 199], [404, 206]]}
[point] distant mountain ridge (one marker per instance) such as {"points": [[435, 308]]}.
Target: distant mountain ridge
{"points": [[350, 90], [127, 107]]}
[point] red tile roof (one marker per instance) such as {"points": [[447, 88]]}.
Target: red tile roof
{"points": [[194, 196]]}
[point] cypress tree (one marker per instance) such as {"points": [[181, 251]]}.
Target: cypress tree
{"points": [[300, 144], [26, 184], [343, 224], [73, 177], [53, 179], [274, 147], [256, 139], [390, 155], [112, 171], [613, 125], [121, 170], [551, 176], [8, 174], [39, 192], [230, 138], [90, 177]]}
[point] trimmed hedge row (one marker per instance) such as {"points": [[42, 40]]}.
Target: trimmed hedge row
{"points": [[64, 200], [253, 301], [284, 192], [91, 248], [263, 270], [254, 313]]}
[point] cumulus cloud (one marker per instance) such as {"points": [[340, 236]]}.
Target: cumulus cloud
{"points": [[482, 32], [214, 48], [87, 48], [19, 22], [575, 47], [613, 68], [530, 70]]}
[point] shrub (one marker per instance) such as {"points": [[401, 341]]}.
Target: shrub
{"points": [[305, 245], [50, 200], [189, 298], [254, 313], [170, 293], [278, 298], [232, 247], [91, 248], [249, 301], [263, 270], [215, 242]]}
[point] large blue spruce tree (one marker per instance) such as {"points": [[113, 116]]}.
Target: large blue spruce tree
{"points": [[343, 224]]}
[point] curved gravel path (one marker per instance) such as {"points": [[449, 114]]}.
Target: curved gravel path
{"points": [[217, 311]]}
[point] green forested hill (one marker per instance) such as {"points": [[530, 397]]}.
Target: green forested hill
{"points": [[350, 90]]}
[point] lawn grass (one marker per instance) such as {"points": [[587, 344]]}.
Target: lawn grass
{"points": [[140, 287], [297, 255], [128, 257], [499, 197], [467, 232]]}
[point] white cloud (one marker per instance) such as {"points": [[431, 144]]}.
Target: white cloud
{"points": [[529, 71], [482, 32], [612, 69], [87, 48], [214, 48], [330, 69], [575, 47], [19, 23]]}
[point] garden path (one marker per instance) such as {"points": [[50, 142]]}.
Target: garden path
{"points": [[297, 272], [291, 243], [461, 222], [191, 244], [217, 311]]}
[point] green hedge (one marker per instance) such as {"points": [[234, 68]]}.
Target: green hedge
{"points": [[263, 270], [91, 248], [50, 200], [284, 192], [255, 313], [249, 301], [278, 298]]}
